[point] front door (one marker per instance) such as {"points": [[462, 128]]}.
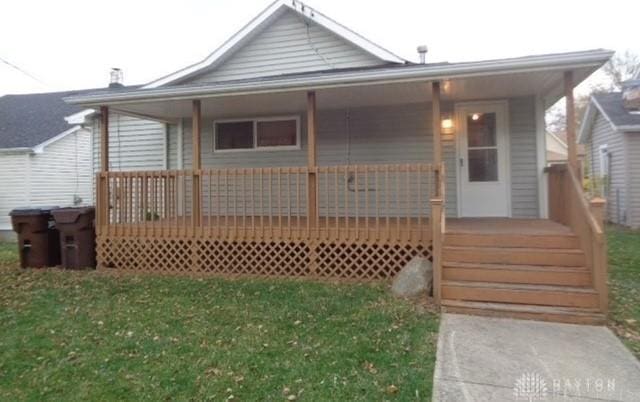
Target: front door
{"points": [[483, 160]]}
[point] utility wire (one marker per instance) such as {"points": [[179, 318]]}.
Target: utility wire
{"points": [[22, 71]]}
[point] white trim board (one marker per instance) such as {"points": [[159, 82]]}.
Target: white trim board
{"points": [[255, 25], [38, 149], [541, 158]]}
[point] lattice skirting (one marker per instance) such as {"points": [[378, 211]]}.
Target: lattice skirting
{"points": [[323, 259]]}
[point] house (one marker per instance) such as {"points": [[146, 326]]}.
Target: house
{"points": [[300, 148], [556, 148], [611, 132], [44, 160]]}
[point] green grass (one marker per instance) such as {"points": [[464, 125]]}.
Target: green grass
{"points": [[624, 284], [86, 336], [8, 254]]}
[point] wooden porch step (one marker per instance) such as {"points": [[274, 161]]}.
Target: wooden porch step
{"points": [[545, 295], [559, 241], [526, 274], [515, 255], [573, 315]]}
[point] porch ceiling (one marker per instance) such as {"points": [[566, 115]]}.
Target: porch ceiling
{"points": [[547, 84]]}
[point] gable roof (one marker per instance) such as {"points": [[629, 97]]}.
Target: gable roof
{"points": [[611, 106], [275, 10], [29, 120]]}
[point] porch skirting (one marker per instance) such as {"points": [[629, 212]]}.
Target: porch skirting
{"points": [[356, 260]]}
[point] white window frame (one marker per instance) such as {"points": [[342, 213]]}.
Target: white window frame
{"points": [[255, 121], [603, 155]]}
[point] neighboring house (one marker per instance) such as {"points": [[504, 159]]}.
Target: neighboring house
{"points": [[44, 160], [300, 148], [611, 132], [556, 148]]}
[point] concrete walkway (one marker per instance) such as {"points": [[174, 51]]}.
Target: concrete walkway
{"points": [[496, 359]]}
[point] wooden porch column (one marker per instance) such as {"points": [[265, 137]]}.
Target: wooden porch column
{"points": [[312, 182], [571, 122], [437, 135], [102, 182], [104, 139], [196, 124]]}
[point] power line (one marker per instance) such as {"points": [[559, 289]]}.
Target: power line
{"points": [[22, 71]]}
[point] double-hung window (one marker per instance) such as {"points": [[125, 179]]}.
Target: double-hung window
{"points": [[263, 133]]}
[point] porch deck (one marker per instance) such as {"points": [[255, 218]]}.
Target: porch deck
{"points": [[515, 226]]}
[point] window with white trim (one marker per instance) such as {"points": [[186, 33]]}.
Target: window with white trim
{"points": [[604, 160], [263, 133]]}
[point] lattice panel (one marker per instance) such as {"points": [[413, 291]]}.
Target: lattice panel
{"points": [[145, 255], [283, 258], [365, 261], [274, 258], [120, 253]]}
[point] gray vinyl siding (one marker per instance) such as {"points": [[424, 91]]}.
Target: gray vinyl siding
{"points": [[524, 178], [53, 177], [172, 147], [633, 171], [14, 176], [134, 144], [389, 134], [62, 172], [603, 134], [286, 46]]}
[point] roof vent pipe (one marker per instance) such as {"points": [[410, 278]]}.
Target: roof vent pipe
{"points": [[116, 78], [422, 51]]}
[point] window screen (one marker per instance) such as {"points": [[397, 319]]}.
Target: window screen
{"points": [[275, 133], [234, 135]]}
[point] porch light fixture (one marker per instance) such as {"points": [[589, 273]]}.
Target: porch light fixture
{"points": [[447, 124], [475, 116]]}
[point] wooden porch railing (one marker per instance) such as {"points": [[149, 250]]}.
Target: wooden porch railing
{"points": [[568, 205], [354, 202]]}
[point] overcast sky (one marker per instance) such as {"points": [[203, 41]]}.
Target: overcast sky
{"points": [[72, 44]]}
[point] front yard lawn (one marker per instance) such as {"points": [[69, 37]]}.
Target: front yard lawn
{"points": [[84, 335], [624, 285]]}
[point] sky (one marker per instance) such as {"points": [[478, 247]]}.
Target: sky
{"points": [[72, 44]]}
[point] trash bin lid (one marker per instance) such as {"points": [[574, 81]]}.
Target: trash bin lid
{"points": [[71, 214], [31, 211]]}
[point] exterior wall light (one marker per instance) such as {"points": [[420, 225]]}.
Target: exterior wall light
{"points": [[447, 124]]}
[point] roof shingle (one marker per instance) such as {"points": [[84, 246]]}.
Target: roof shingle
{"points": [[611, 104], [31, 119]]}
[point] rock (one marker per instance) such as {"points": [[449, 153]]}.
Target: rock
{"points": [[415, 278]]}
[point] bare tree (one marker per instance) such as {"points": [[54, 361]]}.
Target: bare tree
{"points": [[621, 67]]}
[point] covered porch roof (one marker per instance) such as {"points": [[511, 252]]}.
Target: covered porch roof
{"points": [[540, 75]]}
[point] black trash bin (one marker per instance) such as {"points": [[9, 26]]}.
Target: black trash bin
{"points": [[77, 236], [38, 239]]}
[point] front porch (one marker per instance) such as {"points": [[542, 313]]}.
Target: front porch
{"points": [[355, 183]]}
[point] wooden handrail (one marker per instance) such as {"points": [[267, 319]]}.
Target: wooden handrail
{"points": [[584, 206], [354, 202], [569, 206]]}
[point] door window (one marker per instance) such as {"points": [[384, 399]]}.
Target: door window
{"points": [[482, 147]]}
